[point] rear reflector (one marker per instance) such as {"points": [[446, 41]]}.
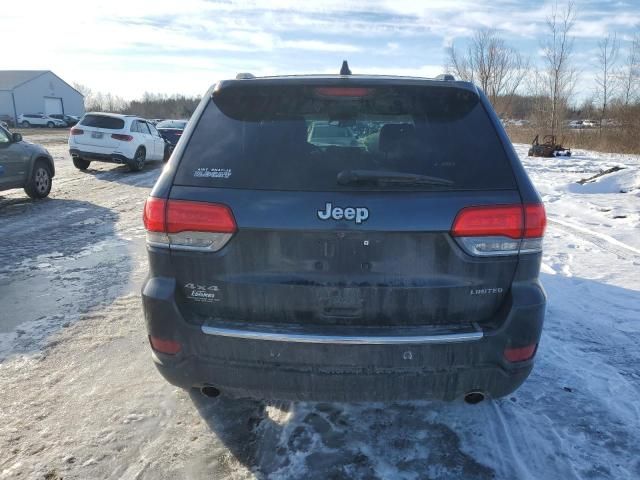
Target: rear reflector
{"points": [[520, 354], [169, 347], [187, 225], [343, 91], [500, 229], [121, 137], [76, 131]]}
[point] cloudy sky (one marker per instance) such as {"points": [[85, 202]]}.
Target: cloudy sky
{"points": [[182, 46]]}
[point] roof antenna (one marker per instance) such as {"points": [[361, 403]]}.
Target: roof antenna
{"points": [[345, 68]]}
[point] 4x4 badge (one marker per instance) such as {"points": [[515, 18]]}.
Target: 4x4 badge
{"points": [[359, 214]]}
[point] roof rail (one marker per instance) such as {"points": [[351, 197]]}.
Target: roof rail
{"points": [[446, 77], [245, 76]]}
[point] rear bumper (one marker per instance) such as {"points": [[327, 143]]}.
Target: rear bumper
{"points": [[99, 157], [348, 384], [323, 366]]}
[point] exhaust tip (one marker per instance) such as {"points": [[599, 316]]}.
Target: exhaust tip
{"points": [[474, 397], [211, 392]]}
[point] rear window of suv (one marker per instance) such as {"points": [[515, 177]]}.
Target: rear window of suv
{"points": [[103, 121], [308, 137]]}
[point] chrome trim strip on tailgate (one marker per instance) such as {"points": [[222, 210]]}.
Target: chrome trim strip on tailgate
{"points": [[342, 339]]}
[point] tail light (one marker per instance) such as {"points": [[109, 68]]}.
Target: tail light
{"points": [[187, 225], [520, 354], [76, 131], [500, 229], [170, 347], [121, 137]]}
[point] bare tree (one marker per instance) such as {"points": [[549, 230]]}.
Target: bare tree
{"points": [[488, 61], [558, 75], [83, 89], [605, 79], [163, 106], [87, 93], [105, 102], [98, 101], [630, 73]]}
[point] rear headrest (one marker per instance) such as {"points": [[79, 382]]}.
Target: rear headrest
{"points": [[297, 131], [395, 135]]}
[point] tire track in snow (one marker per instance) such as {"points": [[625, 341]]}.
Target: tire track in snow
{"points": [[499, 424], [600, 240]]}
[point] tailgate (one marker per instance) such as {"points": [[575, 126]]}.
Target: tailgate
{"points": [[285, 265]]}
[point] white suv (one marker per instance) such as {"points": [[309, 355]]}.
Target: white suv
{"points": [[108, 137], [27, 120]]}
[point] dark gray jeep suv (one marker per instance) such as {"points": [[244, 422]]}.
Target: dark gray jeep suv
{"points": [[399, 260]]}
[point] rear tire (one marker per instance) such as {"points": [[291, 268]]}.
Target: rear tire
{"points": [[168, 149], [81, 164], [50, 125], [25, 124], [39, 184], [137, 163]]}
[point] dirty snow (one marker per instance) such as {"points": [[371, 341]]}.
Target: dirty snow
{"points": [[80, 398]]}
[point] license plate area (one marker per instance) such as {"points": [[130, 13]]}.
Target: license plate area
{"points": [[342, 302], [96, 135]]}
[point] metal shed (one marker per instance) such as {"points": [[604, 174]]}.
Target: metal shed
{"points": [[37, 91]]}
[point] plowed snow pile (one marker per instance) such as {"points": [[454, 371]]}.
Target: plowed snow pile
{"points": [[626, 180]]}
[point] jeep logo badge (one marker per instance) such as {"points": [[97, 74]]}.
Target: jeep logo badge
{"points": [[359, 214]]}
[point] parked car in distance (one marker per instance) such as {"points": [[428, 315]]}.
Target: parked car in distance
{"points": [[24, 165], [69, 120], [404, 268], [582, 124], [4, 125], [114, 138], [331, 133], [171, 131], [8, 120], [28, 120], [515, 122]]}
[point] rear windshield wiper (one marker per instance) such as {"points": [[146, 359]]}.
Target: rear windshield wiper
{"points": [[377, 177]]}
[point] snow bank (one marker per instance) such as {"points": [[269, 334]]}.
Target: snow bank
{"points": [[622, 181]]}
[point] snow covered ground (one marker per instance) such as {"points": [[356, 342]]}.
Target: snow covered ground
{"points": [[80, 398]]}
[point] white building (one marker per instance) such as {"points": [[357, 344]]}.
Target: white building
{"points": [[37, 91]]}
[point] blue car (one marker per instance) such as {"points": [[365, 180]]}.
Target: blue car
{"points": [[402, 264]]}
